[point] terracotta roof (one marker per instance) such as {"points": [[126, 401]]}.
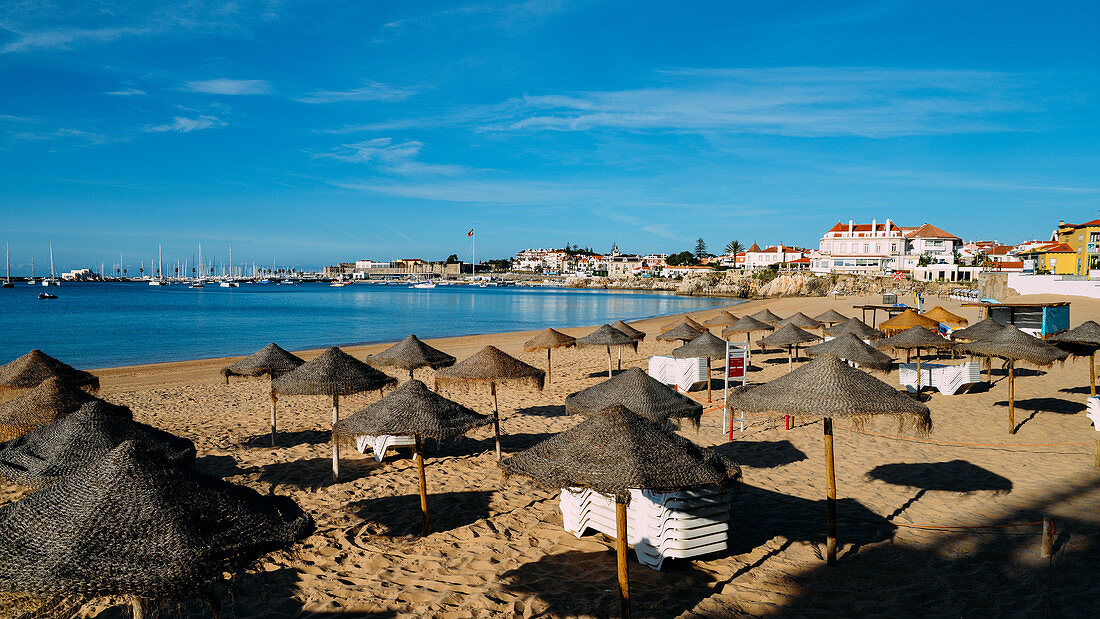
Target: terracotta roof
{"points": [[928, 231], [800, 260], [1087, 224], [843, 227], [754, 247]]}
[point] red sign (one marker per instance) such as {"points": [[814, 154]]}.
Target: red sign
{"points": [[898, 277], [735, 365]]}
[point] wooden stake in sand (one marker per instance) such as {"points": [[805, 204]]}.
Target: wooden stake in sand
{"points": [[1011, 399], [830, 494], [1046, 549], [620, 557], [335, 443], [496, 418], [418, 453], [274, 401]]}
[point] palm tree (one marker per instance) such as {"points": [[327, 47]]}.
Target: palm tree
{"points": [[734, 247]]}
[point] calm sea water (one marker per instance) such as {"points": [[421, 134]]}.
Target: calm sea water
{"points": [[106, 324]]}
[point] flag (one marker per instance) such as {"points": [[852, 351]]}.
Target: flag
{"points": [[470, 233]]}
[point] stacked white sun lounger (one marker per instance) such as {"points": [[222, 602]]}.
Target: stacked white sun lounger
{"points": [[948, 379], [683, 373], [381, 443], [681, 524]]}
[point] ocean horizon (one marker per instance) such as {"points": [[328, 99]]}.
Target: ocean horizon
{"points": [[96, 325]]}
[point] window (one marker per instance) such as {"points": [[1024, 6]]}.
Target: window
{"points": [[878, 248], [843, 247], [866, 248], [1053, 262]]}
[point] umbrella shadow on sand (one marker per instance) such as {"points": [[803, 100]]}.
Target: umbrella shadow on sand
{"points": [[312, 473], [469, 446], [542, 411], [954, 476], [288, 439], [578, 583], [1043, 405], [218, 466], [761, 454], [398, 516]]}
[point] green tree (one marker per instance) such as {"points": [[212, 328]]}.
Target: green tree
{"points": [[452, 259], [734, 247], [700, 248], [681, 259]]}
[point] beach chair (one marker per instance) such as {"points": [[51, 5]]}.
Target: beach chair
{"points": [[947, 379], [685, 374], [381, 443], [1093, 411]]}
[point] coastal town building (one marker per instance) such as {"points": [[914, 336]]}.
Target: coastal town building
{"points": [[860, 248], [756, 258], [1084, 240], [1055, 258]]}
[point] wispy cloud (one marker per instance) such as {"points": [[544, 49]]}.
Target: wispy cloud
{"points": [[371, 91], [226, 86], [126, 92], [390, 156], [186, 125], [64, 38]]}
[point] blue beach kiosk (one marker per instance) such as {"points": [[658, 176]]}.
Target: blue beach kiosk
{"points": [[1039, 319]]}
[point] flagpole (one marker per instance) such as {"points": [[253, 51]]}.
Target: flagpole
{"points": [[473, 250]]}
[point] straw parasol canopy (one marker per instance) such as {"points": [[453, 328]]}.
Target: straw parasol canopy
{"points": [[49, 401], [831, 317], [800, 320], [943, 316], [136, 526], [707, 346], [410, 354], [413, 410], [36, 366], [617, 450], [609, 337], [271, 360], [977, 331], [629, 330], [916, 338], [682, 332], [746, 325], [549, 339], [493, 366], [854, 350], [788, 336], [906, 320], [43, 456], [826, 388], [766, 316], [1080, 341], [683, 320], [332, 373], [638, 391], [721, 319], [1014, 346], [856, 327]]}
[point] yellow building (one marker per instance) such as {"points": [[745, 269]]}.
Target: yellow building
{"points": [[1056, 258], [1084, 240]]}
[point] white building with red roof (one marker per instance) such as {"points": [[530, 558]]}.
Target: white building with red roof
{"points": [[860, 248]]}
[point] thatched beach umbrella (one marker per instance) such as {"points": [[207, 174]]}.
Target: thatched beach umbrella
{"points": [[134, 526], [410, 354], [916, 338], [979, 331], [49, 453], [827, 388], [270, 361], [1013, 345], [789, 336], [36, 366], [332, 373], [610, 337], [800, 320], [412, 410], [638, 391], [34, 408], [683, 320], [1080, 341], [766, 316], [907, 320], [707, 346], [746, 325], [549, 339], [721, 319], [945, 317], [493, 366], [831, 317], [615, 451], [856, 327], [682, 332], [629, 330], [850, 348]]}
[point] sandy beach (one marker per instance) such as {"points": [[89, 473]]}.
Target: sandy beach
{"points": [[944, 543]]}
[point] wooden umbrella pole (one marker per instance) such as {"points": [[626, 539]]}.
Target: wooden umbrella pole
{"points": [[918, 371], [549, 366], [1092, 373], [830, 494], [620, 556], [1011, 400], [335, 443], [709, 397], [138, 606], [274, 400], [620, 362], [419, 455], [496, 418], [790, 360], [609, 362]]}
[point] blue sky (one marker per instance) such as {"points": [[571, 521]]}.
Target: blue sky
{"points": [[310, 132]]}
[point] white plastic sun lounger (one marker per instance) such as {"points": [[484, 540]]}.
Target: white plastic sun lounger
{"points": [[381, 443], [948, 379], [683, 373]]}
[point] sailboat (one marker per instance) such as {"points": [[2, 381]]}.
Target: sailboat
{"points": [[31, 282], [159, 280], [230, 282], [199, 282], [7, 269], [52, 279]]}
